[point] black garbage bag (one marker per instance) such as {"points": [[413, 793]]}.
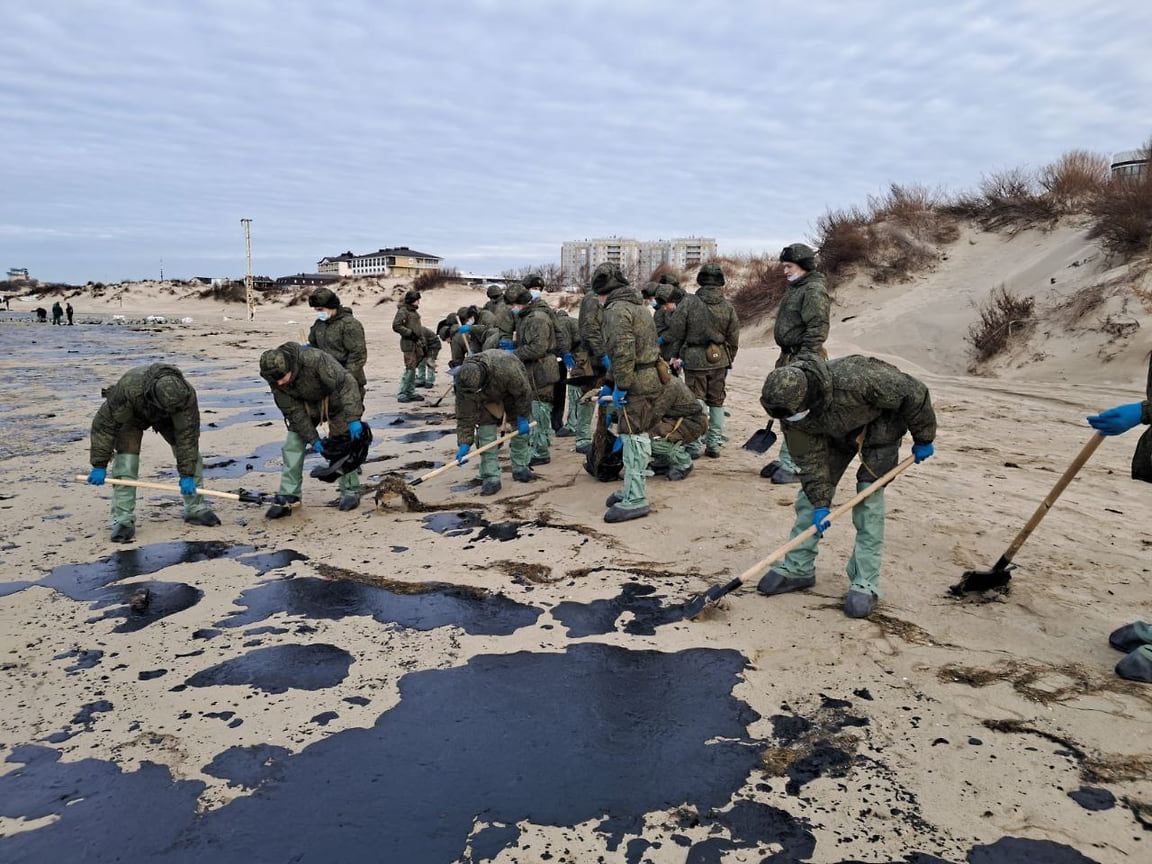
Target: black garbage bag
{"points": [[605, 460], [344, 455]]}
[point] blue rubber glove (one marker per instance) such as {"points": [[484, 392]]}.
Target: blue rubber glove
{"points": [[922, 452], [97, 475], [317, 447], [606, 361], [523, 427], [618, 445], [506, 344], [1118, 420], [187, 485], [619, 398], [659, 340], [461, 452], [569, 362], [605, 390], [355, 429], [465, 328], [820, 520]]}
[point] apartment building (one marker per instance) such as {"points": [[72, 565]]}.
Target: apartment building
{"points": [[578, 258], [398, 261]]}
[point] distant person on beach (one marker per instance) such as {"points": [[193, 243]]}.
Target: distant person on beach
{"points": [[68, 312], [338, 332], [41, 314], [407, 324], [159, 398], [6, 305], [57, 313]]}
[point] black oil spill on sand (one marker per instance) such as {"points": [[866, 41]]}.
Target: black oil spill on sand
{"points": [[628, 732], [599, 616], [1093, 798], [85, 659], [465, 522], [478, 613], [280, 668]]}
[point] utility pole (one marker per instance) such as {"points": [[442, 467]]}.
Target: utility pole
{"points": [[161, 269], [248, 294]]}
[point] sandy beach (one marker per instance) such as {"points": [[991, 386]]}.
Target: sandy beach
{"points": [[509, 679]]}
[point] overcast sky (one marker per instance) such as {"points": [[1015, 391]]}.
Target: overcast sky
{"points": [[489, 132]]}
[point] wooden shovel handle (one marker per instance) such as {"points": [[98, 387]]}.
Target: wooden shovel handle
{"points": [[139, 484], [436, 472], [757, 568], [1083, 456]]}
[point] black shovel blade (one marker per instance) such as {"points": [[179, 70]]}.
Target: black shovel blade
{"points": [[975, 581], [700, 602], [761, 440], [247, 496]]}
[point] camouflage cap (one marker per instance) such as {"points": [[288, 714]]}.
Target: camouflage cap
{"points": [[534, 280], [800, 254], [516, 294], [324, 298], [710, 274], [172, 392], [471, 377], [466, 312], [668, 279], [274, 365], [411, 296], [494, 291], [649, 290], [785, 389], [608, 277], [668, 294]]}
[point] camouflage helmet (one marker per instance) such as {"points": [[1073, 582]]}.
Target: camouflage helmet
{"points": [[324, 298], [172, 393], [607, 277], [668, 279], [494, 291], [471, 376], [412, 296], [649, 290], [800, 254], [669, 294], [274, 365], [517, 295], [785, 392], [466, 312], [534, 280], [710, 274]]}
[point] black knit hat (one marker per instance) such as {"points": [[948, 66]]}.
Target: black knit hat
{"points": [[800, 254]]}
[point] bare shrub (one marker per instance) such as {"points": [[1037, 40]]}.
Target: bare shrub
{"points": [[1121, 213], [434, 279], [1014, 202], [762, 290], [229, 292], [843, 240], [1074, 179], [665, 269], [1003, 316], [1083, 303]]}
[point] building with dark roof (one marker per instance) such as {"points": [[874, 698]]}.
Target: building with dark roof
{"points": [[398, 261], [302, 279]]}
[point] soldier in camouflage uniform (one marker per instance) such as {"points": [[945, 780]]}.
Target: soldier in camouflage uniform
{"points": [[308, 387], [504, 322], [471, 334], [705, 335], [493, 386], [575, 359], [407, 324], [632, 358], [426, 368], [683, 420], [668, 296], [338, 332], [831, 413], [801, 329], [535, 347], [159, 398], [590, 324]]}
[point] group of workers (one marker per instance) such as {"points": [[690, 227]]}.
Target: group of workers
{"points": [[653, 361]]}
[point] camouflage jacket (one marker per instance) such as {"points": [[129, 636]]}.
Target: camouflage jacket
{"points": [[342, 336], [407, 324], [568, 335], [662, 319], [431, 343], [702, 319], [630, 343], [502, 317], [856, 404], [316, 376], [536, 344], [802, 321], [679, 416], [128, 404], [591, 326], [508, 392]]}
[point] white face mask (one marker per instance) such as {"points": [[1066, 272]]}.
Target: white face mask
{"points": [[323, 316], [652, 303], [535, 294], [794, 277], [796, 418], [516, 310]]}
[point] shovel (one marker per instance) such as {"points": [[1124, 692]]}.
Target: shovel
{"points": [[245, 495], [697, 604], [436, 404], [762, 439], [436, 472], [998, 577]]}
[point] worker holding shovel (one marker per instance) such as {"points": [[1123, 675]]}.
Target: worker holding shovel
{"points": [[1134, 639], [492, 386], [145, 397], [833, 412]]}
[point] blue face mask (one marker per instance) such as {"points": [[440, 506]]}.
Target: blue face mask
{"points": [[535, 294], [323, 316]]}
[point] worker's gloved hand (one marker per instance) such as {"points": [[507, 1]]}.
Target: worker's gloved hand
{"points": [[569, 362], [187, 485], [317, 447], [96, 476], [355, 429], [461, 452], [606, 362], [1118, 420], [922, 451], [506, 344], [523, 426], [465, 328], [659, 340], [605, 392], [820, 520], [618, 444], [619, 398]]}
